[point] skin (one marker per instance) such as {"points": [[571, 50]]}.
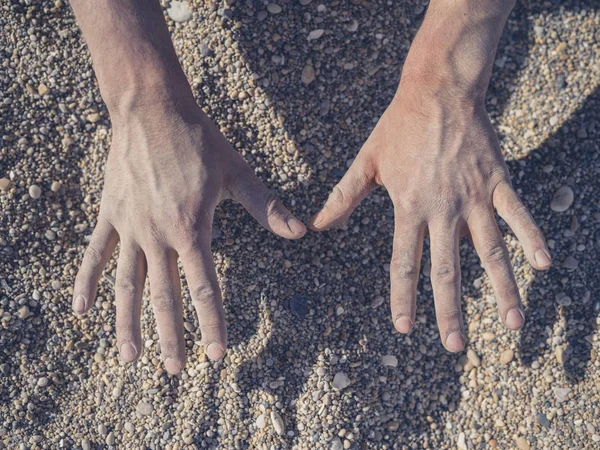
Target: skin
{"points": [[436, 153], [434, 150], [168, 168]]}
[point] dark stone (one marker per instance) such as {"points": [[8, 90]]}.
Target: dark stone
{"points": [[543, 420], [299, 306]]}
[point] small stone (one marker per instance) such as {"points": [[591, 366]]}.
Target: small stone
{"points": [[460, 443], [274, 8], [24, 312], [570, 263], [561, 393], [298, 306], [278, 424], [35, 191], [561, 355], [488, 336], [204, 50], [308, 74], [473, 358], [563, 199], [93, 117], [50, 235], [85, 444], [144, 408], [507, 356], [4, 184], [543, 420], [261, 421], [336, 444], [315, 34], [340, 381], [539, 31], [377, 302], [129, 427], [179, 11], [43, 89], [110, 439], [522, 443], [55, 186], [389, 361], [42, 382], [102, 430]]}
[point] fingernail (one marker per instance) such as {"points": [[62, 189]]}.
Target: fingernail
{"points": [[296, 226], [542, 258], [455, 341], [404, 324], [514, 319], [317, 219], [79, 304], [172, 366], [214, 351], [128, 352]]}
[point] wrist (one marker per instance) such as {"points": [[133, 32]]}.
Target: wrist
{"points": [[453, 53]]}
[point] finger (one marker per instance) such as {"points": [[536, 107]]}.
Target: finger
{"points": [[354, 186], [515, 213], [101, 247], [445, 280], [206, 295], [264, 205], [165, 294], [129, 287], [404, 272], [490, 247]]}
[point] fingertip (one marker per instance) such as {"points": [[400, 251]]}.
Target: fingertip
{"points": [[79, 305], [215, 351], [514, 319], [455, 342], [543, 260], [128, 352], [173, 366], [316, 222], [403, 324], [296, 227]]}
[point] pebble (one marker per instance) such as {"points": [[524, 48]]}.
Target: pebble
{"points": [[389, 361], [4, 184], [298, 306], [274, 8], [55, 186], [261, 421], [473, 358], [543, 420], [308, 74], [563, 199], [43, 89], [315, 34], [110, 439], [522, 443], [278, 424], [507, 356], [35, 191], [561, 393], [85, 444], [460, 443], [570, 263], [24, 312], [179, 11], [93, 117], [144, 408], [340, 381]]}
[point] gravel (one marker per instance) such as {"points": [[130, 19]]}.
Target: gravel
{"points": [[298, 110]]}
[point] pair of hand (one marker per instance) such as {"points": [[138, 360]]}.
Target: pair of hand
{"points": [[169, 167]]}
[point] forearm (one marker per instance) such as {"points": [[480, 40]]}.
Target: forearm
{"points": [[132, 53], [453, 53]]}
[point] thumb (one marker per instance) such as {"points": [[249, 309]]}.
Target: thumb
{"points": [[354, 186], [264, 205]]}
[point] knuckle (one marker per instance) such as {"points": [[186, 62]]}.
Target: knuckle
{"points": [[163, 302], [125, 288], [450, 316], [92, 255], [204, 294], [403, 269], [445, 273], [496, 254]]}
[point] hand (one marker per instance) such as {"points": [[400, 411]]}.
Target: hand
{"points": [[441, 164], [167, 170]]}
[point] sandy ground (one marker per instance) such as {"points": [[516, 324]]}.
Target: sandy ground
{"points": [[61, 383]]}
